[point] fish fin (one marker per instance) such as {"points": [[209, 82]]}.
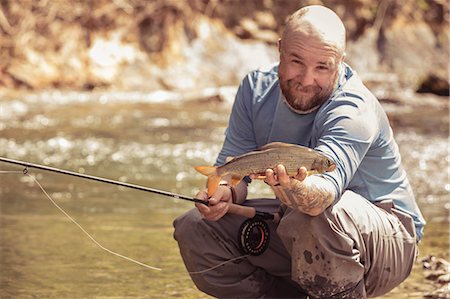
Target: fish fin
{"points": [[275, 145], [213, 178], [235, 180], [213, 183], [206, 170], [311, 172]]}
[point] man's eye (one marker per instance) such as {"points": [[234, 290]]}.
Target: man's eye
{"points": [[322, 68]]}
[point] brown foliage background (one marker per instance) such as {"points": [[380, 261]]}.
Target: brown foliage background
{"points": [[45, 44]]}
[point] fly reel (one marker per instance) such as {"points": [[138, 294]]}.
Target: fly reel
{"points": [[254, 236]]}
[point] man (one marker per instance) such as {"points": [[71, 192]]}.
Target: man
{"points": [[349, 233]]}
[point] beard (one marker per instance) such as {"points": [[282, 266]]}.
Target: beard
{"points": [[304, 99]]}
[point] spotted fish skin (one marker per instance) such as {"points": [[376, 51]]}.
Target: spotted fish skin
{"points": [[292, 156]]}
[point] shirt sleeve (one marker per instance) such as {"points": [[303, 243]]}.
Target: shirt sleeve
{"points": [[346, 133], [239, 136]]}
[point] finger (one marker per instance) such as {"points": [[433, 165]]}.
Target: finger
{"points": [[271, 178], [282, 194], [278, 193], [283, 177], [203, 194], [223, 193], [217, 204], [301, 174], [203, 209], [213, 213], [219, 211]]}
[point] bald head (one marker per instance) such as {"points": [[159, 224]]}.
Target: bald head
{"points": [[318, 22]]}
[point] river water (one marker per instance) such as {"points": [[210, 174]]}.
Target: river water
{"points": [[142, 139]]}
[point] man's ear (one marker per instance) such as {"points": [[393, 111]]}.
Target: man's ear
{"points": [[279, 45], [343, 57]]}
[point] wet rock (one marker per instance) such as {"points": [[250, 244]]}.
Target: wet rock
{"points": [[435, 264], [441, 293], [436, 275], [437, 270]]}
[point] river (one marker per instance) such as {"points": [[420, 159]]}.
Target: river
{"points": [[140, 139]]}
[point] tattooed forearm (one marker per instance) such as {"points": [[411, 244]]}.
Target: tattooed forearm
{"points": [[311, 196]]}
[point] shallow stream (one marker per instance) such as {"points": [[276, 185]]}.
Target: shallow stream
{"points": [[132, 138]]}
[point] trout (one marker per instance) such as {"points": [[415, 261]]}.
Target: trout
{"points": [[292, 156]]}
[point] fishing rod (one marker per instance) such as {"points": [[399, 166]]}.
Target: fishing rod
{"points": [[248, 212], [100, 179], [253, 235]]}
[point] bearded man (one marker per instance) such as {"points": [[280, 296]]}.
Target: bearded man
{"points": [[349, 233]]}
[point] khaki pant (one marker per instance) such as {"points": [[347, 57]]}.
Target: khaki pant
{"points": [[355, 249]]}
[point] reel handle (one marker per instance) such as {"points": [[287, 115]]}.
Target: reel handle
{"points": [[248, 212]]}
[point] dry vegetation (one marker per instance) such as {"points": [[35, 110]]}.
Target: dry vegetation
{"points": [[50, 43]]}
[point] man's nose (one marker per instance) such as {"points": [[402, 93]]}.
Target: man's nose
{"points": [[306, 77]]}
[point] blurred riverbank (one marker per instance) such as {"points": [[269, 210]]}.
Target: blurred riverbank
{"points": [[190, 45]]}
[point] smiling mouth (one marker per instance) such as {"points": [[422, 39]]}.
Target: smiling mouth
{"points": [[304, 91]]}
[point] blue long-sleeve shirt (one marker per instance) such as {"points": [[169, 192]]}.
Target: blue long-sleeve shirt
{"points": [[351, 128]]}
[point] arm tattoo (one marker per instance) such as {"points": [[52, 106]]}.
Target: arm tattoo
{"points": [[312, 196]]}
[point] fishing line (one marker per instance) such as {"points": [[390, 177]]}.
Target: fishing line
{"points": [[221, 264], [14, 172], [25, 172]]}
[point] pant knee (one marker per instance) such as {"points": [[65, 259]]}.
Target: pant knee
{"points": [[324, 258], [185, 224]]}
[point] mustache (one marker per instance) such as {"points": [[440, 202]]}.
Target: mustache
{"points": [[300, 87]]}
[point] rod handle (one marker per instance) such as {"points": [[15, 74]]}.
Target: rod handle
{"points": [[248, 212]]}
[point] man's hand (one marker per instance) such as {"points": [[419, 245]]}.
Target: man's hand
{"points": [[311, 197], [218, 203], [280, 176]]}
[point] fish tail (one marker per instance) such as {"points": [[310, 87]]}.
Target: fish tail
{"points": [[213, 178]]}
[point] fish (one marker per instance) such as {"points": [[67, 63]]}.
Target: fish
{"points": [[292, 156]]}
